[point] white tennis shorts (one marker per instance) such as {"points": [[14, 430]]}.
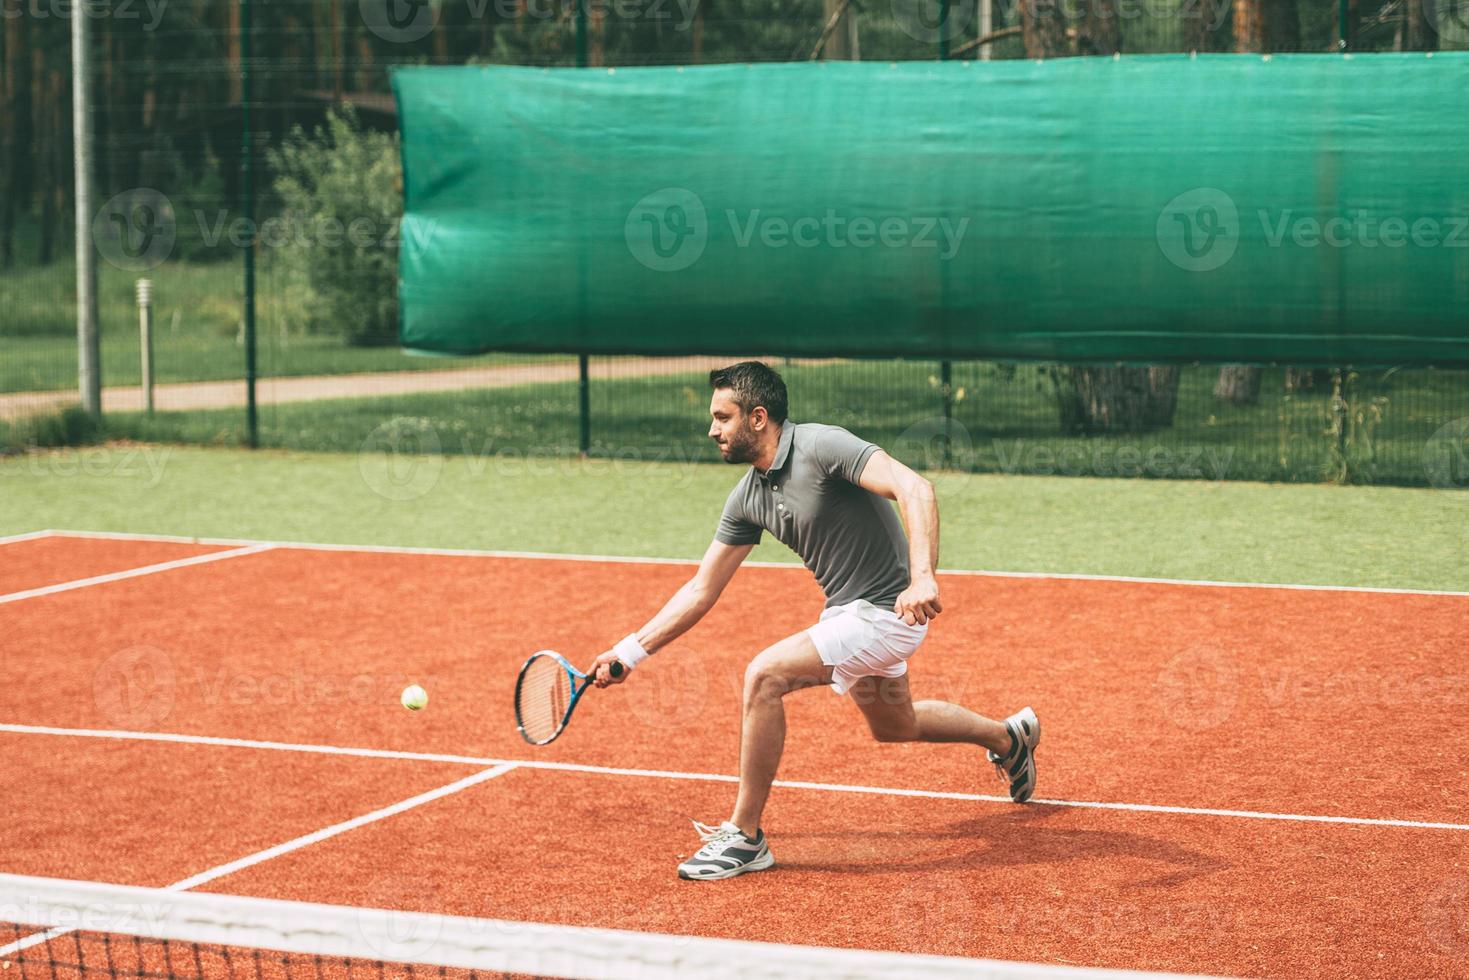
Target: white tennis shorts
{"points": [[861, 640]]}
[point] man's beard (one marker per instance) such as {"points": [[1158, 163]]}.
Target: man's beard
{"points": [[741, 447]]}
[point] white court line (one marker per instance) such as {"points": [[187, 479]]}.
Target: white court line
{"points": [[83, 583], [28, 536], [245, 743], [632, 560], [305, 840]]}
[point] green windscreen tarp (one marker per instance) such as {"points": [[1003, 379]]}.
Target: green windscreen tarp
{"points": [[1301, 208]]}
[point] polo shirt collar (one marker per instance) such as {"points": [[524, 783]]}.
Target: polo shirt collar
{"points": [[783, 448]]}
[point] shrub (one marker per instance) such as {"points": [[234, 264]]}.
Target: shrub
{"points": [[341, 189]]}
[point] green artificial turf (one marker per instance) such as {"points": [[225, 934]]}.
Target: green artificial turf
{"points": [[1374, 536]]}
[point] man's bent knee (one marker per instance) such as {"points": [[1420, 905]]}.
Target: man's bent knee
{"points": [[763, 683]]}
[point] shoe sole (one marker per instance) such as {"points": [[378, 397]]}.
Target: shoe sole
{"points": [[762, 862], [1028, 714]]}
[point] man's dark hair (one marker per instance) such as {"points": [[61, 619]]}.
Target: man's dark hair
{"points": [[753, 384]]}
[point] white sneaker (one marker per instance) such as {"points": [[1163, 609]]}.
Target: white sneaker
{"points": [[1017, 768], [726, 852]]}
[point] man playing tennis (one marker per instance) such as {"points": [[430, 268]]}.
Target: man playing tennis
{"points": [[820, 490]]}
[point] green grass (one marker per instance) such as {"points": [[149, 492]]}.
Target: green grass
{"points": [[196, 329], [1181, 529], [1008, 416]]}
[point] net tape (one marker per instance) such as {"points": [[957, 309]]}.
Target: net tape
{"points": [[49, 911]]}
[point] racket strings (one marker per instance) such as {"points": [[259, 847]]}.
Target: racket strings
{"points": [[545, 694]]}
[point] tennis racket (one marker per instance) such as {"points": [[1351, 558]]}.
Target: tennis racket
{"points": [[546, 694]]}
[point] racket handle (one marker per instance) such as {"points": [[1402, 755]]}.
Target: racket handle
{"points": [[616, 668]]}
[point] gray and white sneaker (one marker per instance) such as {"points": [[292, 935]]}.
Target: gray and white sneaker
{"points": [[726, 852], [1017, 768]]}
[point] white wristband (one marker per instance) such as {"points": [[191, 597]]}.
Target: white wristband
{"points": [[630, 651]]}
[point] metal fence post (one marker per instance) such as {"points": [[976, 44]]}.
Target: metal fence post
{"points": [[584, 399], [247, 206], [946, 368], [89, 356]]}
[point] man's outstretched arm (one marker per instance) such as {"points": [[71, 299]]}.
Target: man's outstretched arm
{"points": [[889, 478], [686, 607]]}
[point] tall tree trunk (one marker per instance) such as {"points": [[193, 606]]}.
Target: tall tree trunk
{"points": [[1099, 28], [1095, 400], [366, 62], [842, 44], [232, 54], [1043, 29], [54, 159], [1203, 24], [596, 35], [697, 55], [1249, 27], [1304, 379], [1238, 384], [1419, 25], [17, 98], [441, 40], [1266, 26], [338, 50], [153, 137]]}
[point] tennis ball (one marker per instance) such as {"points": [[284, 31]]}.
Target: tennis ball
{"points": [[414, 697]]}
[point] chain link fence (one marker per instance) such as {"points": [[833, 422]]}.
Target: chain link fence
{"points": [[172, 78]]}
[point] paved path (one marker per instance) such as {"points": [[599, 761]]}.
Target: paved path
{"points": [[194, 395]]}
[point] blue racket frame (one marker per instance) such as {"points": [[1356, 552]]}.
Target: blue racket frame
{"points": [[579, 683]]}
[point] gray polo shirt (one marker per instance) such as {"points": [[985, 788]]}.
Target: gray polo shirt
{"points": [[849, 537]]}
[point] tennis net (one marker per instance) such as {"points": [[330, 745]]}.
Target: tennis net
{"points": [[55, 929]]}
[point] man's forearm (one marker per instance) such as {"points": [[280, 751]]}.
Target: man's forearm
{"points": [[921, 514], [678, 615]]}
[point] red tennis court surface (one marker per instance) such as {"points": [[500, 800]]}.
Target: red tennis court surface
{"points": [[1254, 781], [41, 562]]}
